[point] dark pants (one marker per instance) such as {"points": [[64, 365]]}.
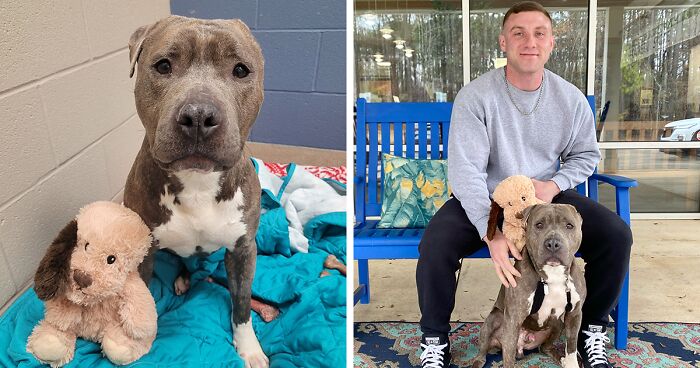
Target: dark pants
{"points": [[450, 236]]}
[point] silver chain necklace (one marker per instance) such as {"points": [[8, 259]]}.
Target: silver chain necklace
{"points": [[537, 103]]}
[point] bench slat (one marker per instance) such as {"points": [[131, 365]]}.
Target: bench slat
{"points": [[386, 148], [386, 138], [372, 163], [422, 141], [398, 139], [373, 209], [445, 138], [434, 141], [411, 140]]}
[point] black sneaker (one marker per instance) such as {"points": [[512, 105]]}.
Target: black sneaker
{"points": [[592, 347], [436, 352]]}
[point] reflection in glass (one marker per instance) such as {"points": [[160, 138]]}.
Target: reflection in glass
{"points": [[669, 179], [648, 72], [570, 27], [408, 51]]}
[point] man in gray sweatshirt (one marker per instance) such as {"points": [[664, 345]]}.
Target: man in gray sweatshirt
{"points": [[520, 119]]}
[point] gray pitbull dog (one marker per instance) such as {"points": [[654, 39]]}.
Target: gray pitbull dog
{"points": [[199, 88], [553, 235]]}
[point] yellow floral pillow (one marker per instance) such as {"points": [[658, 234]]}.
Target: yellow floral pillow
{"points": [[413, 191]]}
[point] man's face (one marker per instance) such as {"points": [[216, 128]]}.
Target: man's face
{"points": [[527, 41]]}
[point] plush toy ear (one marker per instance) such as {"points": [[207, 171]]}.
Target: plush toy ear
{"points": [[51, 277], [496, 212]]}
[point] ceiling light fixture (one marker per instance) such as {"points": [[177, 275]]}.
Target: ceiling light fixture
{"points": [[369, 17], [386, 33]]}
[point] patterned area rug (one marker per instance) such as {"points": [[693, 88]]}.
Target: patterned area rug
{"points": [[651, 345]]}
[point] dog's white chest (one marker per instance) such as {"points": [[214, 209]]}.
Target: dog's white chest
{"points": [[554, 303], [197, 219]]}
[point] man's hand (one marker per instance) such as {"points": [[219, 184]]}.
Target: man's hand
{"points": [[498, 248], [545, 190]]}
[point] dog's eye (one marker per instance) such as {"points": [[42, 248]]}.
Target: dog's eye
{"points": [[111, 259], [523, 198], [569, 226], [163, 66], [510, 204], [86, 244], [539, 225], [240, 71]]}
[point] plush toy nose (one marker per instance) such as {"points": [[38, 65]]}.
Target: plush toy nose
{"points": [[82, 279]]}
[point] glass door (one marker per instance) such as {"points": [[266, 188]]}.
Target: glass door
{"points": [[570, 28], [408, 51], [648, 94]]}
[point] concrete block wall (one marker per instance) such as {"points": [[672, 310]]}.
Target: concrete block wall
{"points": [[69, 126], [303, 42]]}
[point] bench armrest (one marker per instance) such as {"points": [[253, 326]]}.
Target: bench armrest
{"points": [[615, 180], [622, 192]]}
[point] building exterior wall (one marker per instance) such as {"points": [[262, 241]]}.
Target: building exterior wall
{"points": [[70, 129], [303, 42]]}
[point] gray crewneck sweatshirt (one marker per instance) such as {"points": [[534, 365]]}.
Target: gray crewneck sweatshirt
{"points": [[491, 140]]}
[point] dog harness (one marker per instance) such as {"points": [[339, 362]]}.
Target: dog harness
{"points": [[543, 290]]}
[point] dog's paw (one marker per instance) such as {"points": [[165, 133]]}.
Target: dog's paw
{"points": [[182, 284], [569, 361], [50, 349], [248, 347], [267, 312], [255, 360], [331, 262]]}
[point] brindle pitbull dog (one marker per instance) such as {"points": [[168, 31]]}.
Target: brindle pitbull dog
{"points": [[198, 91], [553, 235]]}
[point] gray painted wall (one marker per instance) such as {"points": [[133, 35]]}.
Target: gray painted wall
{"points": [[303, 42]]}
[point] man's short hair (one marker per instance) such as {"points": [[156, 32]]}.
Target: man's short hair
{"points": [[526, 6]]}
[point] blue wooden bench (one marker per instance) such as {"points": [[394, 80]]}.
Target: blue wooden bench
{"points": [[420, 130]]}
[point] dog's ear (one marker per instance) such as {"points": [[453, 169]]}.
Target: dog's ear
{"points": [[136, 45], [525, 214], [240, 23], [575, 212], [494, 214], [51, 277]]}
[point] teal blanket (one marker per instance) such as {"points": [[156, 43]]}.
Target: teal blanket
{"points": [[194, 330]]}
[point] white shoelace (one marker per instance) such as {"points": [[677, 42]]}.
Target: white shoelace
{"points": [[595, 347], [432, 355]]}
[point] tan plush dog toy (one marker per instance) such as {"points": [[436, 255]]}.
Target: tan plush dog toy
{"points": [[510, 198], [92, 289]]}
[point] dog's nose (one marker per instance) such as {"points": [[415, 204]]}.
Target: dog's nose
{"points": [[198, 119], [552, 244], [81, 278]]}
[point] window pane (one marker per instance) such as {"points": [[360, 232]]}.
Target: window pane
{"points": [[669, 179], [648, 70], [408, 51], [570, 27]]}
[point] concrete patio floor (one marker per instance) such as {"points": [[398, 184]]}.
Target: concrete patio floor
{"points": [[664, 280]]}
